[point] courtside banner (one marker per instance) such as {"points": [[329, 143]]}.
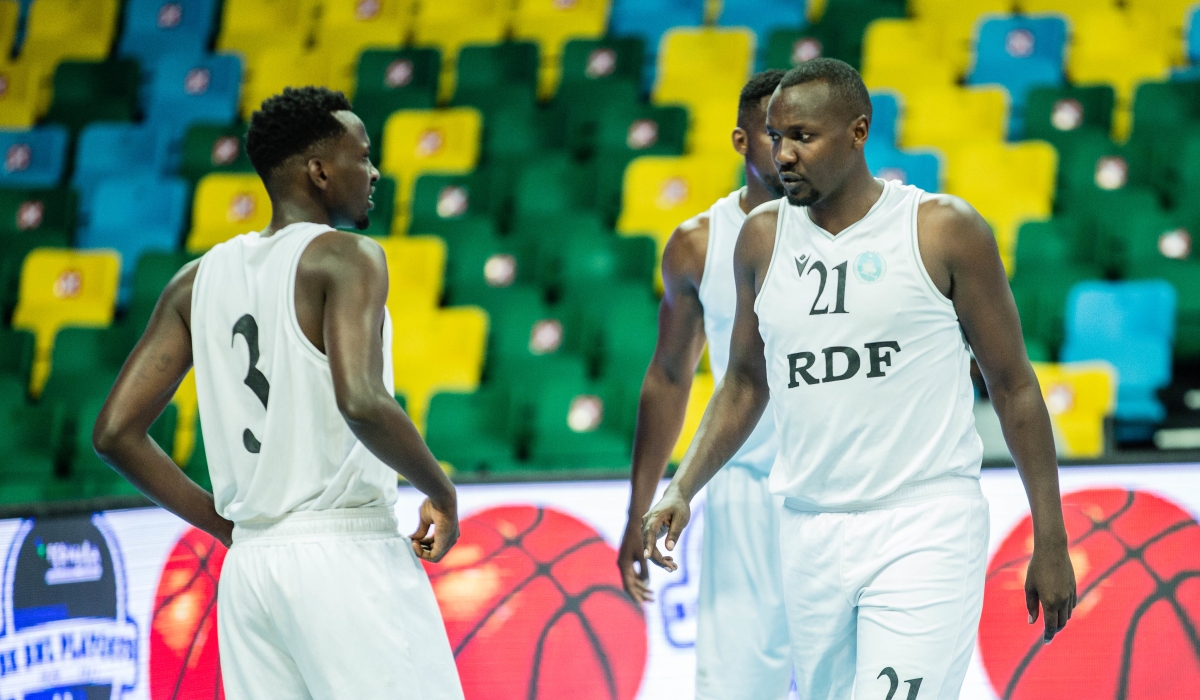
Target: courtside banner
{"points": [[122, 604]]}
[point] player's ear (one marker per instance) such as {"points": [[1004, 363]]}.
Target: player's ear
{"points": [[740, 140], [859, 128], [317, 173]]}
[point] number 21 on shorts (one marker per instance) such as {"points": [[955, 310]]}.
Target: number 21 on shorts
{"points": [[914, 684]]}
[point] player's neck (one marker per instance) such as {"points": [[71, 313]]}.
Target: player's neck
{"points": [[285, 212], [849, 204], [755, 194]]}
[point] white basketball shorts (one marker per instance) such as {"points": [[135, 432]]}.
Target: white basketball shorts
{"points": [[742, 650], [885, 604], [330, 604]]}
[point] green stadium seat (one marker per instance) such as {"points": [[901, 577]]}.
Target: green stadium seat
{"points": [[1184, 275], [1137, 232], [214, 148], [84, 364], [538, 237], [478, 261], [615, 325], [1041, 297], [622, 132], [87, 92], [512, 132], [1059, 114], [571, 428], [590, 62], [587, 261], [16, 354], [24, 455], [1046, 245], [94, 476], [838, 34], [1182, 191], [154, 270], [440, 201], [389, 80], [13, 249], [1093, 168], [552, 185], [473, 432], [490, 77], [27, 212]]}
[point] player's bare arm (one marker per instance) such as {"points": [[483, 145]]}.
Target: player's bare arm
{"points": [[663, 403], [144, 387], [961, 256], [738, 402], [342, 287]]}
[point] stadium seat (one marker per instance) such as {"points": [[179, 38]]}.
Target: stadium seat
{"points": [[437, 350], [84, 365], [347, 29], [227, 205], [1041, 297], [57, 30], [1018, 185], [151, 275], [949, 118], [19, 107], [572, 427], [1121, 49], [552, 185], [115, 149], [214, 148], [552, 23], [1019, 53], [390, 80], [473, 431], [1131, 325], [885, 115], [704, 70], [837, 34], [29, 212], [649, 20], [591, 262], [1184, 276], [1057, 242], [133, 215], [956, 24], [698, 398], [249, 27], [416, 268], [763, 16], [189, 90], [659, 192], [440, 200], [449, 26], [34, 158], [1092, 165], [280, 67], [1073, 9], [1078, 396], [64, 288], [1060, 115], [1193, 37], [16, 359], [587, 63], [433, 141], [154, 28], [10, 18], [1135, 231], [494, 76], [478, 261], [94, 91], [908, 168], [906, 55]]}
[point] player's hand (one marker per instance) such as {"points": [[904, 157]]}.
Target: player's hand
{"points": [[631, 561], [668, 517], [444, 521], [1050, 580]]}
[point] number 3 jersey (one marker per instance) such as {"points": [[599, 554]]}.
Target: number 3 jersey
{"points": [[868, 369], [273, 435]]}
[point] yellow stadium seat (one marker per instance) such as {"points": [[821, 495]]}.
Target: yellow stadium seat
{"points": [[700, 65], [19, 94], [956, 21], [187, 408], [949, 117], [551, 23], [424, 141], [660, 192], [249, 27], [1170, 19], [58, 30], [1007, 183], [226, 205], [1073, 9], [448, 26], [10, 13], [1119, 48], [437, 350], [1078, 396], [348, 28], [702, 391], [416, 269], [711, 125], [279, 67], [59, 288], [906, 56]]}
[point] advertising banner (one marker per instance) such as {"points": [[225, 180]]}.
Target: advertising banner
{"points": [[122, 604]]}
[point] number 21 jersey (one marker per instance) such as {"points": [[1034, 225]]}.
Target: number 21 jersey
{"points": [[868, 368], [273, 435]]}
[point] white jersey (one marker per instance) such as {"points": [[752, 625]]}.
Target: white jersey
{"points": [[718, 296], [867, 365], [275, 440]]}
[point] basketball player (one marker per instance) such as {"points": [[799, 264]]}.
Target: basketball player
{"points": [[859, 302], [741, 638], [320, 597]]}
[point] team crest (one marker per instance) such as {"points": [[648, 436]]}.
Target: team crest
{"points": [[869, 266]]}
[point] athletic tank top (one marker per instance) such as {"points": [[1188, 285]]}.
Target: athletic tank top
{"points": [[718, 296], [275, 440], [867, 365]]}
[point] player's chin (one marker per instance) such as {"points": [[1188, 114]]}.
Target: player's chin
{"points": [[362, 222], [803, 197]]}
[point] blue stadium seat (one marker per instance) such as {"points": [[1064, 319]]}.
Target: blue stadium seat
{"points": [[920, 169], [35, 157], [764, 17], [1193, 36], [110, 149], [135, 215], [648, 19], [187, 90], [154, 28], [1019, 53], [1131, 325], [885, 111]]}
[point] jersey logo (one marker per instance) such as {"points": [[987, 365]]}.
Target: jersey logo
{"points": [[869, 266]]}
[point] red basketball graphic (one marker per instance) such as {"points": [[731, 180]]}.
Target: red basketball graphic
{"points": [[534, 609], [183, 630], [1133, 635]]}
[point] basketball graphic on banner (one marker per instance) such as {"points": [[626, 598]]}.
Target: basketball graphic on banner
{"points": [[534, 609], [1133, 633], [183, 631]]}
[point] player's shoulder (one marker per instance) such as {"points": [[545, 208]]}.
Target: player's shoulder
{"points": [[343, 251], [686, 249], [762, 219], [946, 212]]}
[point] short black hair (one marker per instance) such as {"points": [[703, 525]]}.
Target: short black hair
{"points": [[291, 122], [845, 82], [759, 86]]}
